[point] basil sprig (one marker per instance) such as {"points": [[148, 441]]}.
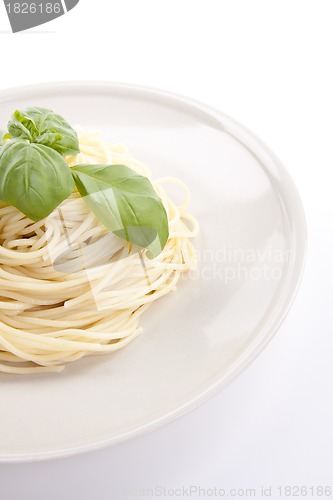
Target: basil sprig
{"points": [[35, 178]]}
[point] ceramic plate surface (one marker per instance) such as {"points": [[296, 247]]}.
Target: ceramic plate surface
{"points": [[251, 253]]}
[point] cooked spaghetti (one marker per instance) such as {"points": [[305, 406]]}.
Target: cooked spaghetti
{"points": [[69, 287]]}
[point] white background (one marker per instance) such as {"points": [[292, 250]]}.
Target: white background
{"points": [[269, 65]]}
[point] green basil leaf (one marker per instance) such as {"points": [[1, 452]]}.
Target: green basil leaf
{"points": [[33, 178], [126, 203], [2, 137], [22, 126], [53, 130]]}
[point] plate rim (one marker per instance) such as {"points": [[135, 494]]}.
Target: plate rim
{"points": [[296, 214]]}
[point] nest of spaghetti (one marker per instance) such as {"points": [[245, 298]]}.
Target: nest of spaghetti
{"points": [[69, 287]]}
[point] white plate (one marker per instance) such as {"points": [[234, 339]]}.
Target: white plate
{"points": [[251, 248]]}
